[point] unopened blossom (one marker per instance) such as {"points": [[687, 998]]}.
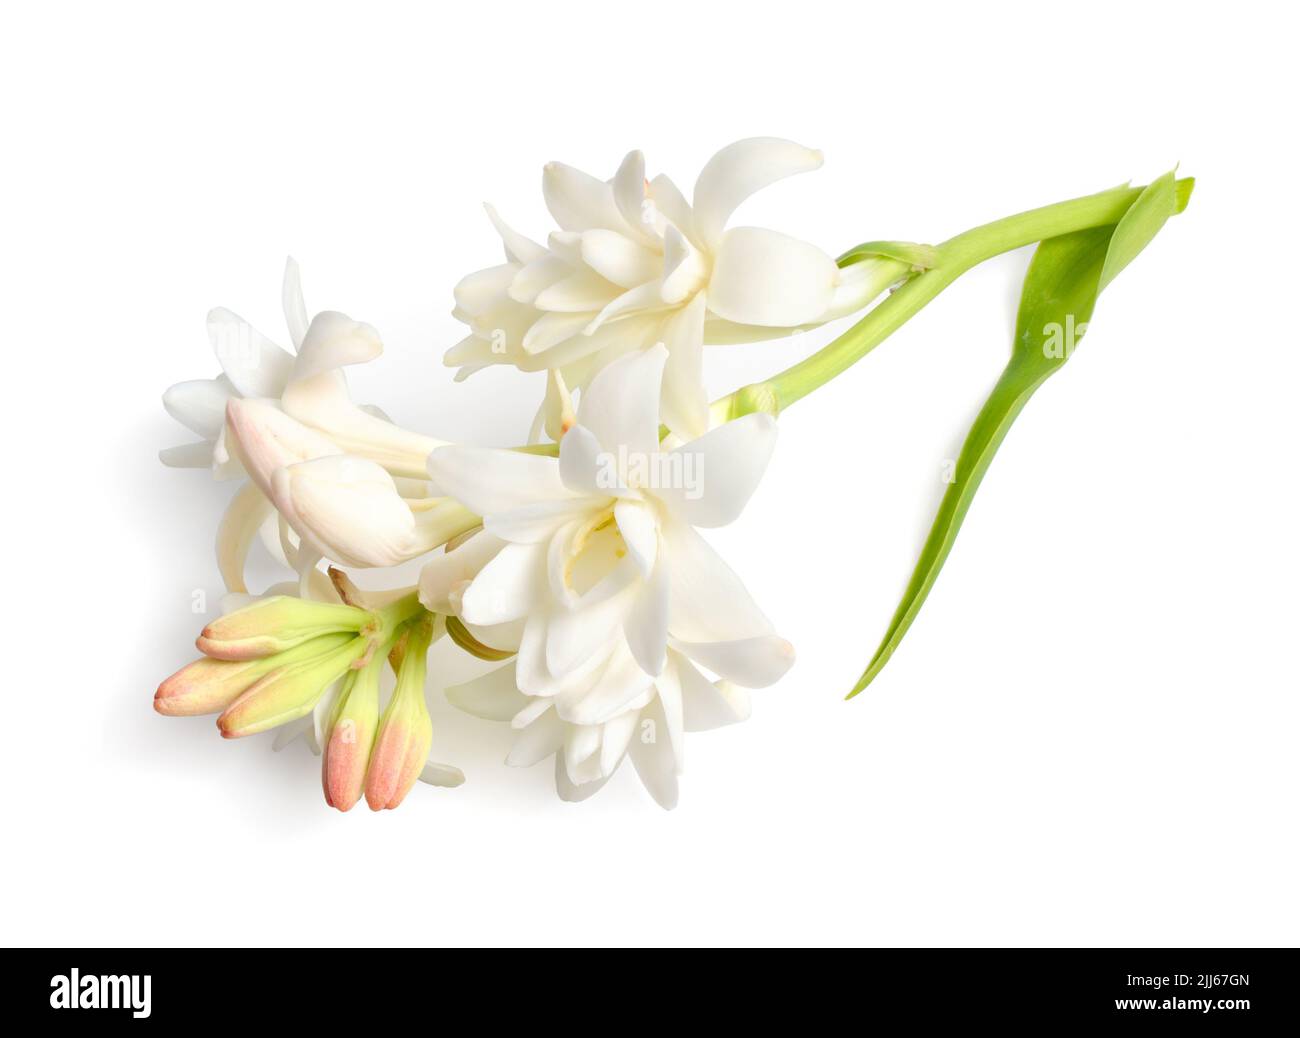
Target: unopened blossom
{"points": [[345, 508], [353, 722], [634, 263], [592, 566], [277, 660], [270, 662], [405, 733]]}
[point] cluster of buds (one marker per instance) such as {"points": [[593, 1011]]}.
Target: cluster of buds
{"points": [[277, 660]]}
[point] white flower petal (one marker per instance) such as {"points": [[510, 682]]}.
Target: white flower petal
{"points": [[619, 259], [581, 468], [618, 732], [578, 201], [708, 602], [507, 587], [643, 299], [492, 696], [718, 332], [671, 204], [529, 524], [580, 292], [287, 733], [531, 673], [629, 191], [620, 683], [255, 365], [487, 479], [685, 402], [557, 406], [269, 534], [621, 407], [685, 269], [537, 742], [551, 329], [320, 716], [640, 531], [646, 626], [749, 662], [560, 554], [334, 341], [295, 309], [268, 439], [537, 276], [578, 355], [581, 742], [445, 576], [530, 711], [199, 405], [239, 525], [567, 245], [706, 705], [767, 278], [739, 170], [860, 283], [669, 688], [323, 402], [479, 292], [187, 455], [726, 464], [652, 755], [350, 510], [472, 352], [575, 635], [444, 775], [519, 249], [571, 793]]}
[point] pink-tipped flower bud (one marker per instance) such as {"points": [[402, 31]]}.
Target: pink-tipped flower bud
{"points": [[405, 733], [292, 690], [206, 686], [273, 625], [351, 736]]}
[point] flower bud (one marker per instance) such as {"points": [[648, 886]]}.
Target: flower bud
{"points": [[351, 509], [267, 439], [405, 733], [273, 625], [207, 686], [351, 736], [290, 691]]}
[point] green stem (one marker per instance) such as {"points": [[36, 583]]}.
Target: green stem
{"points": [[390, 617], [953, 258]]}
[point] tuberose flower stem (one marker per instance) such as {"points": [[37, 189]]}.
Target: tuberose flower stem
{"points": [[953, 258]]}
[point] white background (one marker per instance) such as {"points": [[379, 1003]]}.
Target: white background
{"points": [[1088, 737]]}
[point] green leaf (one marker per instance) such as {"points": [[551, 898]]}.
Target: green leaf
{"points": [[1056, 304], [1139, 225]]}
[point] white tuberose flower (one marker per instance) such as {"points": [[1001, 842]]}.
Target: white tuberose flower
{"points": [[634, 264], [592, 562], [350, 484]]}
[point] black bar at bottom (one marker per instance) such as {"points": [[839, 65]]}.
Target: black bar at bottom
{"points": [[165, 987]]}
